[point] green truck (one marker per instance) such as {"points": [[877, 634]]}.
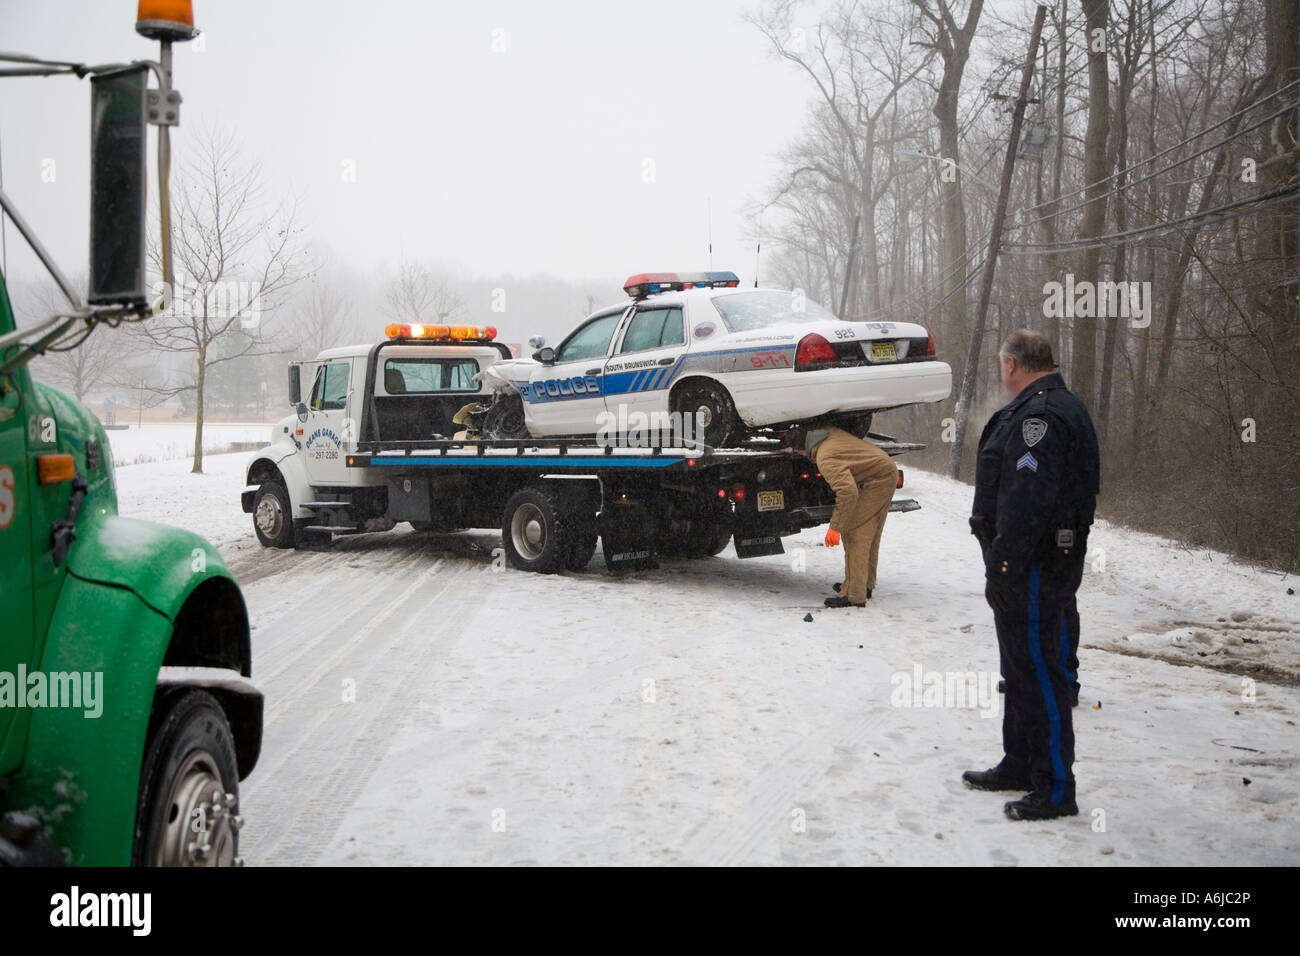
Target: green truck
{"points": [[127, 713]]}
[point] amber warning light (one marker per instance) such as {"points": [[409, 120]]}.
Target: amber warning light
{"points": [[165, 19], [482, 332]]}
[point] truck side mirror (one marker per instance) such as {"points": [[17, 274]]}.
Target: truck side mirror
{"points": [[546, 356], [302, 412], [118, 166], [295, 384]]}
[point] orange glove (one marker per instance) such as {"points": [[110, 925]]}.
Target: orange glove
{"points": [[832, 538]]}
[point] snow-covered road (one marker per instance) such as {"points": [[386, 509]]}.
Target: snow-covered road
{"points": [[426, 705]]}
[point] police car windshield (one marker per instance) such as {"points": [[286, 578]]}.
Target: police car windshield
{"points": [[749, 311]]}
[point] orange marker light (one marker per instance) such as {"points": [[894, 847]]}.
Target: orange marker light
{"points": [[52, 469], [440, 332], [165, 19]]}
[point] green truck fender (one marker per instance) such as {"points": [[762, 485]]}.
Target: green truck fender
{"points": [[142, 604]]}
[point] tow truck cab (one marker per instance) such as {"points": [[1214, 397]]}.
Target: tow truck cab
{"points": [[405, 388]]}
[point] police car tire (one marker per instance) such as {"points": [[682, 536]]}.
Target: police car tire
{"points": [[186, 725], [859, 426], [284, 536], [539, 507], [505, 419], [723, 423]]}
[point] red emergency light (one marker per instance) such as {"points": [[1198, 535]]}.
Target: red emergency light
{"points": [[648, 283]]}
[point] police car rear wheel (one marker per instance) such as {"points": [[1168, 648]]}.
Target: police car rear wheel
{"points": [[533, 531], [712, 416]]}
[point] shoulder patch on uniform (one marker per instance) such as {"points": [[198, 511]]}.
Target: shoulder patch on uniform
{"points": [[1033, 431], [1027, 460]]}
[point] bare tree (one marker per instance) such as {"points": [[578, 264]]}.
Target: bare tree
{"points": [[952, 41], [87, 368], [323, 306], [234, 258], [417, 294]]}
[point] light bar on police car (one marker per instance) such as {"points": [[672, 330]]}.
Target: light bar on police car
{"points": [[648, 283], [413, 331]]}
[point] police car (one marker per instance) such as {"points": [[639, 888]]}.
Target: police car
{"points": [[726, 360]]}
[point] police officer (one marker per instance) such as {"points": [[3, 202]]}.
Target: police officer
{"points": [[1036, 483]]}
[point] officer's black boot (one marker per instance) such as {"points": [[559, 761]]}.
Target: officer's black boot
{"points": [[996, 778], [1036, 806]]}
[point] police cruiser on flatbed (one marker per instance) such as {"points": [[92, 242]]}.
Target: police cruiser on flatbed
{"points": [[394, 432]]}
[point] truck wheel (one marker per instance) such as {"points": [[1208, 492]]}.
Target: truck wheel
{"points": [[710, 409], [505, 419], [534, 532], [581, 549], [712, 539], [272, 519], [189, 786]]}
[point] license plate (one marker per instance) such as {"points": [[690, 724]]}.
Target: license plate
{"points": [[771, 501], [883, 351]]}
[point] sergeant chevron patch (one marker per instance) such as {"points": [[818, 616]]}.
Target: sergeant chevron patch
{"points": [[1027, 460]]}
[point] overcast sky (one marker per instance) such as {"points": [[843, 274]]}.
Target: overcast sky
{"points": [[578, 138]]}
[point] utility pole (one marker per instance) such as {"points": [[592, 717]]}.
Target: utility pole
{"points": [[971, 372]]}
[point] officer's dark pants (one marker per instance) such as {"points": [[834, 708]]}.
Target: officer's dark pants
{"points": [[1070, 628], [1034, 644]]}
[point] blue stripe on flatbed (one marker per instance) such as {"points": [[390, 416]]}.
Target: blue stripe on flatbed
{"points": [[502, 462]]}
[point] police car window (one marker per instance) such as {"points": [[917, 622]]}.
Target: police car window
{"points": [[412, 376], [652, 329], [331, 389], [590, 341], [749, 311]]}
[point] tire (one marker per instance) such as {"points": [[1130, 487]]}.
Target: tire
{"points": [[272, 517], [534, 531], [505, 419], [713, 539], [188, 774], [857, 425], [710, 405], [581, 550]]}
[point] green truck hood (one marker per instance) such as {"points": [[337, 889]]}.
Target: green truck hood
{"points": [[159, 563]]}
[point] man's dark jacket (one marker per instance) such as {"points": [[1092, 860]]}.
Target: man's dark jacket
{"points": [[1038, 473]]}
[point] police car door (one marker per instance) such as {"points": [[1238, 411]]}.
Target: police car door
{"points": [[329, 423], [565, 397], [637, 374]]}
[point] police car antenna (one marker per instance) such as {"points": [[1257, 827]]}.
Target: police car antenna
{"points": [[709, 202]]}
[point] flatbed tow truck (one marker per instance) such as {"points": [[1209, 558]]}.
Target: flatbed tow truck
{"points": [[349, 464]]}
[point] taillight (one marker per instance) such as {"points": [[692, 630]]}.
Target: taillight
{"points": [[814, 350], [929, 344], [738, 494], [900, 479]]}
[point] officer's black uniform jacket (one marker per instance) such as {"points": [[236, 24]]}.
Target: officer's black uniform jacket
{"points": [[1037, 473]]}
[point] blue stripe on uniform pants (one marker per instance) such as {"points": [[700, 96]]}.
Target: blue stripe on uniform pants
{"points": [[1065, 646], [1045, 685]]}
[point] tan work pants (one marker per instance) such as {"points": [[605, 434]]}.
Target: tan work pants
{"points": [[862, 544]]}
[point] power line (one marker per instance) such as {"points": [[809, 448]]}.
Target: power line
{"points": [[1195, 136], [1284, 193]]}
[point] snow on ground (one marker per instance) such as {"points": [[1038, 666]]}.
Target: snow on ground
{"points": [[425, 705], [167, 492], [153, 442]]}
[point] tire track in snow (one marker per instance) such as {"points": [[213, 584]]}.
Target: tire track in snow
{"points": [[331, 749]]}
